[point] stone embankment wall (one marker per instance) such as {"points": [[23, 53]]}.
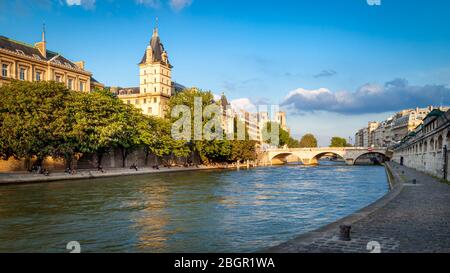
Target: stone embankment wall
{"points": [[110, 160], [426, 149]]}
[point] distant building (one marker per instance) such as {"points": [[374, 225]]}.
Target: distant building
{"points": [[282, 120], [426, 147], [21, 61], [394, 129]]}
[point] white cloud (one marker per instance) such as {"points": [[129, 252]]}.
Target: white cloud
{"points": [[149, 3], [370, 98], [88, 4], [243, 104], [180, 4]]}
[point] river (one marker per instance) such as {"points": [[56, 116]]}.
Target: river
{"points": [[200, 211]]}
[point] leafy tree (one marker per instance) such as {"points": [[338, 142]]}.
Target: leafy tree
{"points": [[308, 141], [242, 150], [35, 120], [208, 150], [103, 122], [284, 136], [339, 142]]}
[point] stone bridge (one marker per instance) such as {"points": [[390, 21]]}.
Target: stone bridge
{"points": [[310, 156]]}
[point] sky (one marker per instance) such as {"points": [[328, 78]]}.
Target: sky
{"points": [[333, 66]]}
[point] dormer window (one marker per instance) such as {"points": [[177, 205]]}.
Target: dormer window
{"points": [[36, 56], [67, 64], [57, 62], [20, 52]]}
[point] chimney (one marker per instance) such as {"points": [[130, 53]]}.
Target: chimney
{"points": [[80, 65], [42, 46]]}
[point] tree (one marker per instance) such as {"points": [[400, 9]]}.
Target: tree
{"points": [[36, 120], [308, 141], [241, 150], [284, 137], [102, 122], [208, 150], [339, 142]]}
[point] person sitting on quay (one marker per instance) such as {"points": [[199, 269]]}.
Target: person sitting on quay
{"points": [[100, 169], [134, 166], [70, 171], [156, 167]]}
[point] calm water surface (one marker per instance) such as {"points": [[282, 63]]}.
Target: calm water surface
{"points": [[205, 211]]}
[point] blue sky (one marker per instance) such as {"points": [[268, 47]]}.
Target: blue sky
{"points": [[333, 65]]}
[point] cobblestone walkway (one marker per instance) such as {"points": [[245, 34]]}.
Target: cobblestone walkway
{"points": [[415, 220]]}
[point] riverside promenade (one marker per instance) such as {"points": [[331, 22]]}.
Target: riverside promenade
{"points": [[26, 177], [411, 218]]}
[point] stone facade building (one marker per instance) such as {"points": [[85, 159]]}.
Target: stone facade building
{"points": [[426, 148], [394, 129], [155, 81], [21, 61]]}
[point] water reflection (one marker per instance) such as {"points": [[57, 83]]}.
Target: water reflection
{"points": [[207, 211]]}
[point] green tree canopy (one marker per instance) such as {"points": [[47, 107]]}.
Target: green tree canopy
{"points": [[35, 120], [308, 141], [339, 142], [283, 135]]}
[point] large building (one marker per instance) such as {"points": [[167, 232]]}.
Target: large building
{"points": [[155, 81], [394, 129], [21, 61]]}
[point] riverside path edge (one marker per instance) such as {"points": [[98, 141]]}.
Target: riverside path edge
{"points": [[414, 217]]}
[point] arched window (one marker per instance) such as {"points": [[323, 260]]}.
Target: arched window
{"points": [[425, 146], [439, 143], [431, 145]]}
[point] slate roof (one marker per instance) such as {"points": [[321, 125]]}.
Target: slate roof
{"points": [[157, 47], [30, 51]]}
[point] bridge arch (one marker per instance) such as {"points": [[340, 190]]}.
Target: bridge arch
{"points": [[383, 156], [315, 159], [281, 158]]}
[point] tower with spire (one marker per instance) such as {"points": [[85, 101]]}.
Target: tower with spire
{"points": [[155, 73]]}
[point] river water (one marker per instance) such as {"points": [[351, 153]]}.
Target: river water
{"points": [[204, 211]]}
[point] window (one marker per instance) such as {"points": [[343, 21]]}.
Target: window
{"points": [[22, 74], [145, 101], [70, 84], [136, 102], [149, 110], [36, 56], [155, 100], [58, 78], [20, 52], [38, 76], [128, 101], [4, 70], [81, 86]]}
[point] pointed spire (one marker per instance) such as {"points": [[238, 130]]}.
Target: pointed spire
{"points": [[43, 32], [155, 30]]}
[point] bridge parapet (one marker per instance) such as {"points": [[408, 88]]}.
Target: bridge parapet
{"points": [[310, 156]]}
